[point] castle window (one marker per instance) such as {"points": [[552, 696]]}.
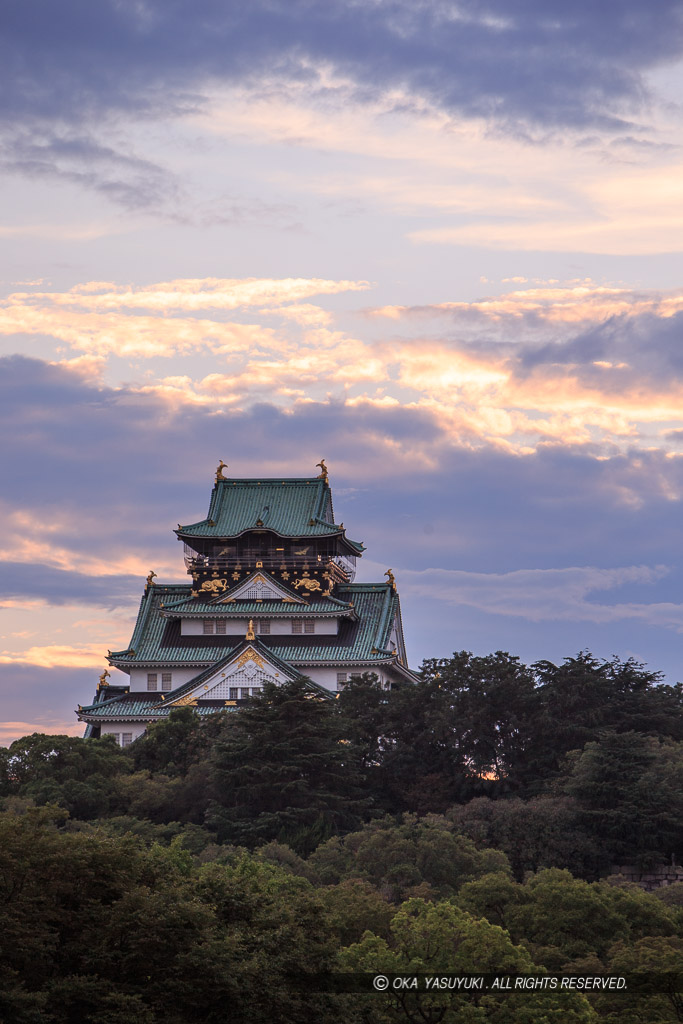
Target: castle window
{"points": [[126, 738], [166, 680], [244, 693], [233, 693], [264, 627], [260, 592], [151, 680], [303, 626], [220, 626], [342, 678], [309, 626], [297, 626], [208, 626]]}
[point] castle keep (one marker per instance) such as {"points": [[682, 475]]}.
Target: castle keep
{"points": [[272, 597]]}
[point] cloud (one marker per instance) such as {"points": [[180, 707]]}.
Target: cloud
{"points": [[43, 699], [575, 304], [79, 159], [465, 59], [189, 294], [107, 585], [543, 595], [573, 364], [11, 731], [506, 530], [57, 656], [102, 319]]}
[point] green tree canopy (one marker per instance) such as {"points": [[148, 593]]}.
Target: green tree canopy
{"points": [[629, 788], [282, 769]]}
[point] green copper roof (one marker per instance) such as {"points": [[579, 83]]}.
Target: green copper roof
{"points": [[290, 508], [157, 640], [195, 608], [138, 711], [133, 707]]}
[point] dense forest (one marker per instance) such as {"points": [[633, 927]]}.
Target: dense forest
{"points": [[469, 823]]}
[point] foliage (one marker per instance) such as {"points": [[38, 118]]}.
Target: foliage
{"points": [[415, 857], [175, 744], [545, 831], [281, 770], [440, 938], [68, 772], [460, 822], [629, 788]]}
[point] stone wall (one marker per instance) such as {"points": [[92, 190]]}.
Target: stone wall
{"points": [[653, 878]]}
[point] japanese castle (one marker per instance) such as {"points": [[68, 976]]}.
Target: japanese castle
{"points": [[272, 598]]}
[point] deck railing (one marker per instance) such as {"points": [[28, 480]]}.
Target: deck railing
{"points": [[195, 562]]}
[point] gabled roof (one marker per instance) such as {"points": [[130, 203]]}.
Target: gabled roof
{"points": [[260, 579], [148, 707], [362, 640], [246, 647], [289, 508], [234, 603]]}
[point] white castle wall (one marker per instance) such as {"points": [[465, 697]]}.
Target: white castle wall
{"points": [[138, 677], [133, 730], [278, 627]]}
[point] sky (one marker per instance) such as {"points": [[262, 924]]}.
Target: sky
{"points": [[437, 244]]}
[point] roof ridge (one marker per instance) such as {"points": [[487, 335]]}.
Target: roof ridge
{"points": [[365, 586], [233, 653], [384, 619]]}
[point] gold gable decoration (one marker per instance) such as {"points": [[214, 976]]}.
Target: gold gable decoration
{"points": [[189, 700], [251, 655]]}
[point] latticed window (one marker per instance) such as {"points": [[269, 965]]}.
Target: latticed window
{"points": [[220, 626], [259, 591], [126, 738], [303, 626], [245, 680], [151, 680], [342, 678], [208, 626], [166, 680], [244, 693], [264, 627]]}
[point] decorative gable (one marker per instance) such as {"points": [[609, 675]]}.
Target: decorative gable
{"points": [[249, 670], [260, 587]]}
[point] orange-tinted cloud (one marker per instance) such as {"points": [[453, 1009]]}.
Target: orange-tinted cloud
{"points": [[57, 655], [488, 384], [582, 302], [11, 731]]}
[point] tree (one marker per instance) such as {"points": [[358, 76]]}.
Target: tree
{"points": [[172, 745], [79, 775], [563, 920], [656, 962], [400, 860], [629, 788], [462, 731], [583, 697], [281, 769], [440, 938], [543, 832]]}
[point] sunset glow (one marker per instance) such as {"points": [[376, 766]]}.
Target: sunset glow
{"points": [[432, 249]]}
